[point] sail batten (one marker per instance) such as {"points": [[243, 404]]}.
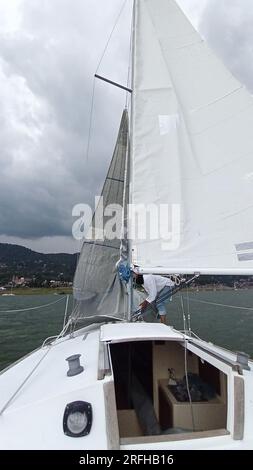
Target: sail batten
{"points": [[192, 147]]}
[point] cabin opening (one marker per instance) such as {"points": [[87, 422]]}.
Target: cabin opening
{"points": [[151, 391]]}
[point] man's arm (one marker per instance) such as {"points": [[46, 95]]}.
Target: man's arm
{"points": [[150, 288], [144, 305]]}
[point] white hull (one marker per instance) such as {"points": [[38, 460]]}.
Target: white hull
{"points": [[33, 419]]}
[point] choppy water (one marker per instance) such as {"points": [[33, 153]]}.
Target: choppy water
{"points": [[21, 332], [231, 328]]}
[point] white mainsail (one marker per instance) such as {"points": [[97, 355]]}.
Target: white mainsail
{"points": [[192, 146]]}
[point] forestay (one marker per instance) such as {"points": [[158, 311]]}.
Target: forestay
{"points": [[192, 146], [97, 286]]}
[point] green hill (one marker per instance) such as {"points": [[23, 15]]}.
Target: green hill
{"points": [[19, 261]]}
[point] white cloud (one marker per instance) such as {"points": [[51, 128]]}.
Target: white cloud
{"points": [[227, 25], [46, 73], [10, 17]]}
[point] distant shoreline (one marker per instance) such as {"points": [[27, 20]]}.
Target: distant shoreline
{"points": [[217, 289], [69, 290], [38, 291]]}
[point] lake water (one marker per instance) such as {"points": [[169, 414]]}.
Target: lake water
{"points": [[22, 332]]}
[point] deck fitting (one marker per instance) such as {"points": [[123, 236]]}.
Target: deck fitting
{"points": [[75, 367], [243, 359]]}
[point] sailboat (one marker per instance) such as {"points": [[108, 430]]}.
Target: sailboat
{"points": [[9, 294], [106, 382]]}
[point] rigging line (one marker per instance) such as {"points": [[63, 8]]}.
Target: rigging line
{"points": [[129, 63], [110, 36], [73, 317], [23, 383], [91, 118], [65, 327], [64, 330], [188, 308], [66, 311], [34, 369], [78, 256], [220, 305], [32, 308], [80, 242], [187, 384], [56, 337], [183, 311], [74, 305]]}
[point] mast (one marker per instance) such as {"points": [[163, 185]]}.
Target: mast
{"points": [[130, 159]]}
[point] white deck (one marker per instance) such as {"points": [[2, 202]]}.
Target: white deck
{"points": [[34, 419]]}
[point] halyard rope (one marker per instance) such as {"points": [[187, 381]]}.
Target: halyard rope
{"points": [[33, 308]]}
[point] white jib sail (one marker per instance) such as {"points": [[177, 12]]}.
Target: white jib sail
{"points": [[192, 150]]}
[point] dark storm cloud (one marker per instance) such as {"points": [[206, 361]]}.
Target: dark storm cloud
{"points": [[46, 77], [227, 25]]}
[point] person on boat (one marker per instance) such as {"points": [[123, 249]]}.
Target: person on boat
{"points": [[159, 290]]}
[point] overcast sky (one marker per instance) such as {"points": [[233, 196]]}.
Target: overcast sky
{"points": [[49, 51]]}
